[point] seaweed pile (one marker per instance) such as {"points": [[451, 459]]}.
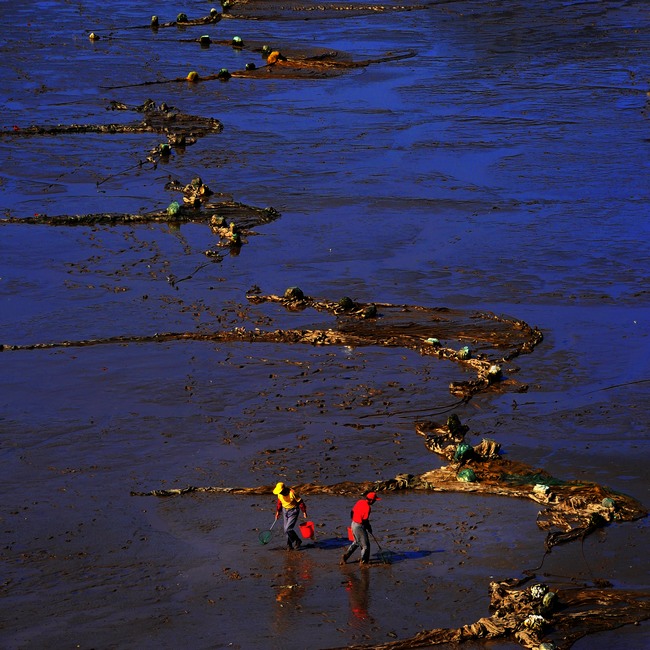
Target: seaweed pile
{"points": [[537, 618]]}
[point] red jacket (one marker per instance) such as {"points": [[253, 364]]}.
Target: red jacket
{"points": [[361, 512]]}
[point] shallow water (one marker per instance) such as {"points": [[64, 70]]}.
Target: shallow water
{"points": [[503, 167]]}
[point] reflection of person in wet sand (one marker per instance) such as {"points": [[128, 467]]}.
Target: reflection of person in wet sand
{"points": [[292, 582], [357, 588]]}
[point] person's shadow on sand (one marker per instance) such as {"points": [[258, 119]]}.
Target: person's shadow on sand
{"points": [[384, 556]]}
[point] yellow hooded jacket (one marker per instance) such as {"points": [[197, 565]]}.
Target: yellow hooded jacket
{"points": [[288, 501]]}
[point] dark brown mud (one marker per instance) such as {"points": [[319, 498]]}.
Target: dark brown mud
{"points": [[263, 10], [489, 165]]}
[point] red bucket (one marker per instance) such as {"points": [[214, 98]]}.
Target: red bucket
{"points": [[350, 535], [307, 530]]}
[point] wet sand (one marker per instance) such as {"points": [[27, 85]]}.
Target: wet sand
{"points": [[502, 168]]}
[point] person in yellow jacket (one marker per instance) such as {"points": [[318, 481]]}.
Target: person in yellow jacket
{"points": [[289, 504]]}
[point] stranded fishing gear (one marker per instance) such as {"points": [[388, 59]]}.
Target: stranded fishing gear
{"points": [[266, 535]]}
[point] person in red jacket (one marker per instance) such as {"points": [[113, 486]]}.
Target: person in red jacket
{"points": [[360, 514], [288, 504]]}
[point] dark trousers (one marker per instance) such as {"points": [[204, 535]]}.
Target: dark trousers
{"points": [[290, 517], [360, 541]]}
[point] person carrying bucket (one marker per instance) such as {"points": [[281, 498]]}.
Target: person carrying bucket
{"points": [[360, 515], [289, 503]]}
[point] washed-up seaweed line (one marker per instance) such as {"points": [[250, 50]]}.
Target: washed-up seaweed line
{"points": [[323, 65], [247, 216], [366, 326], [577, 507], [320, 66], [354, 333], [317, 337], [573, 509], [161, 119]]}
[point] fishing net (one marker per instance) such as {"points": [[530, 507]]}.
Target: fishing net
{"points": [[532, 478], [265, 536]]}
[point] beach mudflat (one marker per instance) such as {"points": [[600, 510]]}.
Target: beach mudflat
{"points": [[462, 157]]}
